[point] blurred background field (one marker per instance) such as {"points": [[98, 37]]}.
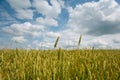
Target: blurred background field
{"points": [[59, 64]]}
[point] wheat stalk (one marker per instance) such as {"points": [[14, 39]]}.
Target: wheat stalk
{"points": [[56, 42], [79, 41]]}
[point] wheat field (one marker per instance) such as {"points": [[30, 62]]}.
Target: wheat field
{"points": [[59, 64]]}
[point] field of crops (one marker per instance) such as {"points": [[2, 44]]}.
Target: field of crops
{"points": [[59, 64]]}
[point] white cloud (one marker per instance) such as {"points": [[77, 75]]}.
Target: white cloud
{"points": [[19, 39], [43, 45], [46, 9], [22, 8], [24, 14], [97, 21], [99, 43], [62, 4], [5, 17], [95, 18], [105, 41], [52, 34], [69, 39], [24, 29], [47, 21], [36, 34], [18, 4], [47, 41]]}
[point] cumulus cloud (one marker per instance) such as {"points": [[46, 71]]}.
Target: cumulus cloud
{"points": [[95, 18], [18, 4], [46, 9], [24, 14], [104, 41], [99, 23], [5, 17], [24, 29], [69, 39], [99, 43], [62, 4], [116, 41], [24, 11], [42, 45], [22, 8], [47, 41], [47, 21], [52, 34], [19, 39]]}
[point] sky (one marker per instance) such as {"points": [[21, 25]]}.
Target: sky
{"points": [[37, 23]]}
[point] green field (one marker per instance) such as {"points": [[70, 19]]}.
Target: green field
{"points": [[59, 64]]}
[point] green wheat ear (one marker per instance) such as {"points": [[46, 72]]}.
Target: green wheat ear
{"points": [[56, 42], [79, 41]]}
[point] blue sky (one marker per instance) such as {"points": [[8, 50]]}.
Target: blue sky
{"points": [[37, 23]]}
